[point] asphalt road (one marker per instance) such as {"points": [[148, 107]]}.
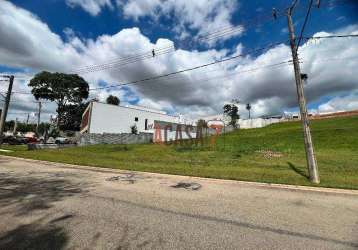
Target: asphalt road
{"points": [[46, 206]]}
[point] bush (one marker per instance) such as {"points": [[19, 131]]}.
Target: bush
{"points": [[134, 129]]}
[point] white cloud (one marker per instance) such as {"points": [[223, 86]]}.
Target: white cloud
{"points": [[202, 15], [93, 7], [39, 48], [340, 103], [200, 92]]}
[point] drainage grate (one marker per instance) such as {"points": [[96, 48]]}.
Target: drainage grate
{"points": [[187, 185]]}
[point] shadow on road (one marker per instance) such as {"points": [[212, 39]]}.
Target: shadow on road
{"points": [[30, 193], [34, 236]]}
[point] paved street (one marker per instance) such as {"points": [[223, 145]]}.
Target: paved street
{"points": [[46, 206]]}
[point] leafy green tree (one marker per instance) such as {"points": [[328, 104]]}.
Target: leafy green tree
{"points": [[233, 112], [64, 89], [72, 116], [113, 100], [23, 127]]}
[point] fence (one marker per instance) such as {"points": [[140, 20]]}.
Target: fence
{"points": [[109, 138]]}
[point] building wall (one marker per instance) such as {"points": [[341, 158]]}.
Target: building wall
{"points": [[105, 138], [171, 131], [257, 122], [107, 118]]}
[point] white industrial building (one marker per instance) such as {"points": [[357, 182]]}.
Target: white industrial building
{"points": [[101, 118], [245, 123]]}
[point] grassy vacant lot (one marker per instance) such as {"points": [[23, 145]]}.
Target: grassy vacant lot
{"points": [[274, 154]]}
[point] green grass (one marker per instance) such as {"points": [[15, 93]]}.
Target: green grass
{"points": [[237, 155]]}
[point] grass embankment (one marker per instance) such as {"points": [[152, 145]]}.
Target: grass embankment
{"points": [[274, 154]]}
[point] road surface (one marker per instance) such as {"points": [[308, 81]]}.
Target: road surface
{"points": [[48, 206]]}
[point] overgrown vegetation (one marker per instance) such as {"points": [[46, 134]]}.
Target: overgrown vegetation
{"points": [[274, 154]]}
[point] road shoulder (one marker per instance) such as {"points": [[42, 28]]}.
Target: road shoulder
{"points": [[293, 188]]}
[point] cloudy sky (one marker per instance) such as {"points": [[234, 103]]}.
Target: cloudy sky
{"points": [[109, 43]]}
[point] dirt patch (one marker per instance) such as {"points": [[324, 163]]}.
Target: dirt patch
{"points": [[268, 154]]}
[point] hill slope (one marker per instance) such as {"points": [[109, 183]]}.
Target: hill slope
{"points": [[273, 154]]}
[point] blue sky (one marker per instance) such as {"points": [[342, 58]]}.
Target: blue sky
{"points": [[59, 35], [58, 16]]}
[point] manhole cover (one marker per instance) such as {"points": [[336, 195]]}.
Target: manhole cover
{"points": [[187, 185]]}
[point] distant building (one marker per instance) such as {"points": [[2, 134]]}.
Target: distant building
{"points": [[101, 118], [245, 123]]}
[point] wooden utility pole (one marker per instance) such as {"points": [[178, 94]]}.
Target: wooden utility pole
{"points": [[38, 119], [27, 119], [15, 127], [6, 107], [310, 156]]}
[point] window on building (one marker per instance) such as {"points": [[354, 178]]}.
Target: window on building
{"points": [[146, 124], [136, 119]]}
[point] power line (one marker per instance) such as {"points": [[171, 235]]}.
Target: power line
{"points": [[331, 36], [227, 75], [224, 31], [203, 38], [122, 62], [19, 113], [180, 71], [304, 24], [284, 63], [169, 49], [280, 64], [186, 70], [276, 65]]}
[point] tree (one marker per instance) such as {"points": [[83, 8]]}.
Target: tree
{"points": [[114, 100], [134, 129], [61, 88], [232, 111], [248, 107], [72, 116]]}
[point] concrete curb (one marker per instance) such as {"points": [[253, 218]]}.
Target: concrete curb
{"points": [[294, 188]]}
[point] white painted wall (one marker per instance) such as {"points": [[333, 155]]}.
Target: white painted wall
{"points": [[107, 118], [171, 135], [257, 122], [244, 123], [171, 131]]}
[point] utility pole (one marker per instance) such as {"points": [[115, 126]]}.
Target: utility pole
{"points": [[27, 119], [310, 156], [15, 127], [6, 107], [38, 119]]}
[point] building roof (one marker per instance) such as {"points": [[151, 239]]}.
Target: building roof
{"points": [[141, 108]]}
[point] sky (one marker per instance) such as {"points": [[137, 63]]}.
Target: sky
{"points": [[114, 39]]}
